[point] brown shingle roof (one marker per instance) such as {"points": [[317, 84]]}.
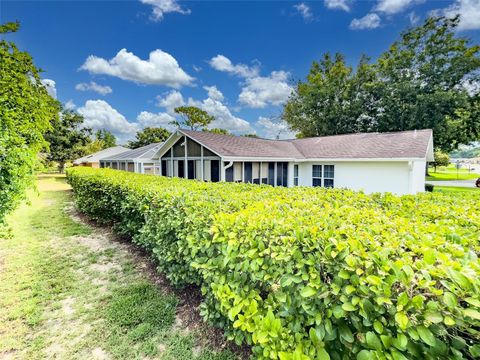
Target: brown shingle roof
{"points": [[402, 144], [241, 146]]}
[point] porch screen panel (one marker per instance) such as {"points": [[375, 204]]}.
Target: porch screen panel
{"points": [[271, 173], [193, 148], [178, 148], [215, 170], [248, 172], [191, 169], [181, 168], [229, 174], [164, 168]]}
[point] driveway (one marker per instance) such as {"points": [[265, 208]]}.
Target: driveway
{"points": [[459, 183]]}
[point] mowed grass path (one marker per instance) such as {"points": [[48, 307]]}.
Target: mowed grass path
{"points": [[70, 291]]}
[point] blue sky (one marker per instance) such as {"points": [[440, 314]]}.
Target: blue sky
{"points": [[125, 65]]}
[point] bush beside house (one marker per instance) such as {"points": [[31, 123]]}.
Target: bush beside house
{"points": [[308, 273]]}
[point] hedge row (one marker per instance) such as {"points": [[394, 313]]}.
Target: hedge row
{"points": [[308, 273]]}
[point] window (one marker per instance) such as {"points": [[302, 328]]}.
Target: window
{"points": [[325, 178], [317, 175], [295, 175], [328, 175]]}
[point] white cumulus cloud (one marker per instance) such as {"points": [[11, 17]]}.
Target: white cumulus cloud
{"points": [[469, 11], [369, 21], [93, 86], [223, 116], [170, 101], [304, 10], [224, 119], [162, 7], [214, 93], [98, 114], [274, 129], [149, 119], [260, 91], [338, 4], [391, 7], [70, 105], [161, 68], [222, 63], [50, 86]]}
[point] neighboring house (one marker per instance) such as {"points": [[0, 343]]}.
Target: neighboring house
{"points": [[373, 162], [137, 160], [93, 160]]}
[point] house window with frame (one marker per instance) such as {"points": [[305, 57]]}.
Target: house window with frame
{"points": [[328, 175], [323, 175], [295, 175], [317, 175]]}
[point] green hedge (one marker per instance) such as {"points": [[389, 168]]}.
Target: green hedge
{"points": [[308, 273]]}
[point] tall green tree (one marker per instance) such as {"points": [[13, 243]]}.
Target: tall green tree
{"points": [[106, 138], [26, 111], [192, 117], [421, 81], [418, 83], [333, 100], [147, 136], [67, 138]]}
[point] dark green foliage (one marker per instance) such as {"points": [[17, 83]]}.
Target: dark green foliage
{"points": [[418, 83], [305, 273], [429, 187], [148, 136], [26, 111], [67, 138], [193, 118], [441, 159], [106, 138]]}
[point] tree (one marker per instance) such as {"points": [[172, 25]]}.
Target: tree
{"points": [[217, 131], [441, 159], [26, 112], [106, 138], [149, 135], [193, 117], [67, 139], [333, 99], [418, 83], [422, 79]]}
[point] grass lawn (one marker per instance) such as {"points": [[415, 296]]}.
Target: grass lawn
{"points": [[454, 189], [450, 173], [72, 291]]}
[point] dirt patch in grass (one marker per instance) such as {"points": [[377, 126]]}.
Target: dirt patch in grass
{"points": [[187, 317]]}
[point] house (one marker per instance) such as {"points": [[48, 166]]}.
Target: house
{"points": [[93, 160], [138, 160], [373, 162]]}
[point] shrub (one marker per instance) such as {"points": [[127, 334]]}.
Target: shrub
{"points": [[308, 273], [429, 187]]}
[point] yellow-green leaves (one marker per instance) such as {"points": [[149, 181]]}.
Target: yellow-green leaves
{"points": [[308, 273], [402, 320]]}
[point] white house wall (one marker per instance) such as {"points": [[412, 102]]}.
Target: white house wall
{"points": [[394, 177], [418, 176]]}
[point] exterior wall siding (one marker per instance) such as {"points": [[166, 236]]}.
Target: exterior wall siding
{"points": [[395, 177]]}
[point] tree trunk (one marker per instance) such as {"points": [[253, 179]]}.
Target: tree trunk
{"points": [[426, 169]]}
